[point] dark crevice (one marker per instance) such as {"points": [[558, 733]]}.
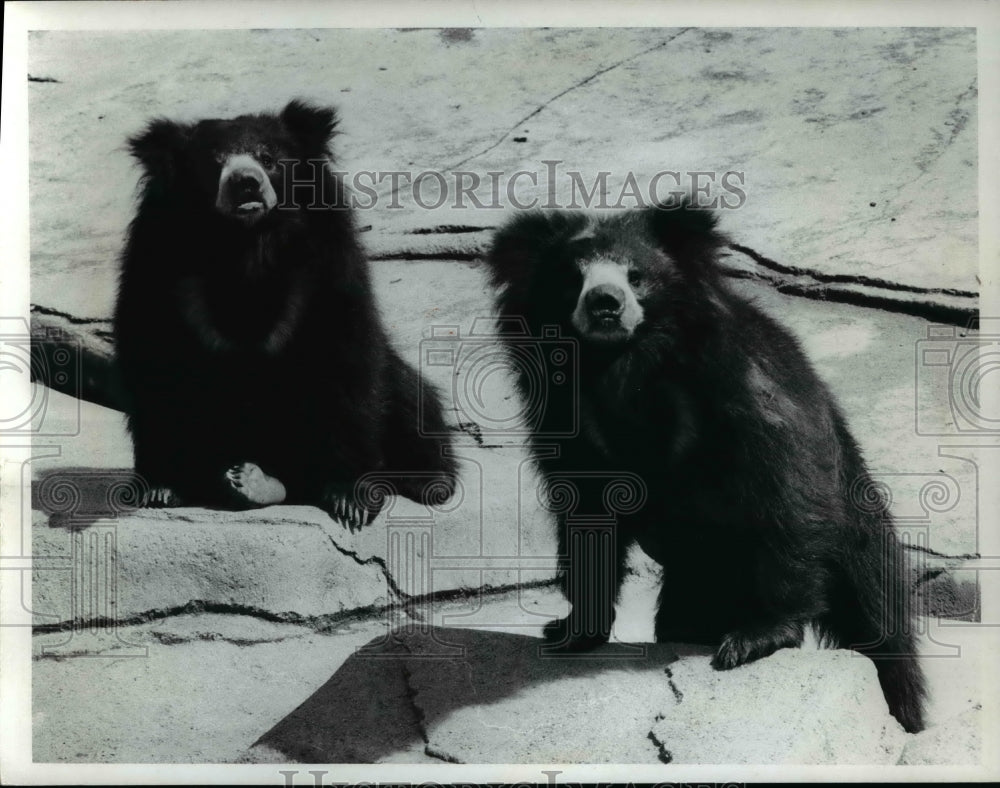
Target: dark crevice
{"points": [[678, 695], [956, 557], [444, 254], [964, 317], [662, 752], [320, 623], [193, 607], [376, 560], [43, 79], [471, 429], [869, 281], [450, 229], [419, 717], [432, 752], [170, 639], [934, 313], [81, 321], [411, 696]]}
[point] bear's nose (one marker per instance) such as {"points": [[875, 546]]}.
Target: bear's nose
{"points": [[605, 301], [244, 185]]}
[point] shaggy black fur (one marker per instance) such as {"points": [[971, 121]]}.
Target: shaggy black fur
{"points": [[758, 503], [247, 334]]}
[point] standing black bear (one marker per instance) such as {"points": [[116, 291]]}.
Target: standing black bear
{"points": [[758, 502], [247, 334]]}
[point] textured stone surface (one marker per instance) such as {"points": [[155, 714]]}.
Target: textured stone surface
{"points": [[823, 122], [794, 707], [196, 689], [475, 696], [280, 561], [958, 741], [467, 682]]}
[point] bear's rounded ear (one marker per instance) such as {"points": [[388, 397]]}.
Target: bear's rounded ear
{"points": [[522, 241], [684, 231], [312, 125], [160, 147]]}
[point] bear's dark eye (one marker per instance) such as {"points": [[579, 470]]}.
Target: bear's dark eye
{"points": [[266, 160], [634, 277]]}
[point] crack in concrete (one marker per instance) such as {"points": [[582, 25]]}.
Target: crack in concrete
{"points": [[678, 695], [562, 93], [38, 309], [956, 120], [662, 753], [376, 560], [319, 623], [824, 287], [442, 254], [170, 639], [433, 752], [419, 715], [158, 614], [473, 430], [927, 310], [951, 557], [449, 229], [855, 279]]}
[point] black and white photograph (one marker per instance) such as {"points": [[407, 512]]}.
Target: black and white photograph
{"points": [[436, 393]]}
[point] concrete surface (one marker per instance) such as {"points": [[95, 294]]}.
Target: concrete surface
{"points": [[959, 740], [837, 716], [498, 701], [196, 636], [822, 122], [150, 698], [465, 682]]}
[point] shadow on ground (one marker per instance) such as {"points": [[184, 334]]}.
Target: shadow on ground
{"points": [[379, 702]]}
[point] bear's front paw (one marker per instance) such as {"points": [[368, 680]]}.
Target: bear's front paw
{"points": [[353, 508], [568, 635], [734, 651], [160, 496], [746, 645]]}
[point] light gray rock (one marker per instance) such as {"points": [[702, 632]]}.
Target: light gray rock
{"points": [[216, 688], [479, 696], [823, 122], [957, 741], [794, 707], [278, 561], [201, 690]]}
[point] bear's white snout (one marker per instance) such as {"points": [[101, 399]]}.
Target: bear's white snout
{"points": [[245, 191], [606, 309]]}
